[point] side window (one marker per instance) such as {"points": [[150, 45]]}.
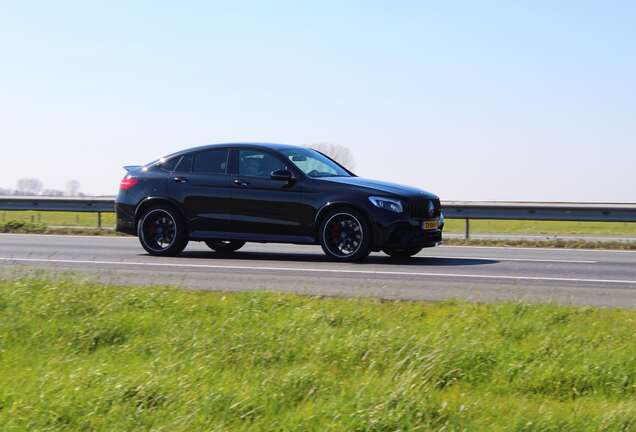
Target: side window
{"points": [[312, 166], [210, 162], [167, 165], [254, 163], [185, 166]]}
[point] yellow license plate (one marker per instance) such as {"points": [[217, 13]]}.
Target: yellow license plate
{"points": [[430, 224]]}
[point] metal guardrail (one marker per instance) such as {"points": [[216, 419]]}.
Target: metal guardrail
{"points": [[467, 210], [72, 204], [546, 211], [538, 211], [97, 205]]}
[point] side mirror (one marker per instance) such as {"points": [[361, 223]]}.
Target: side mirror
{"points": [[282, 175]]}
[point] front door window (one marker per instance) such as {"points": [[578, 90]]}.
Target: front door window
{"points": [[253, 163]]}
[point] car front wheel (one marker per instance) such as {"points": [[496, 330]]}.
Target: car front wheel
{"points": [[345, 235]]}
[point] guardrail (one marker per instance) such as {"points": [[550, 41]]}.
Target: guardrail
{"points": [[467, 210], [97, 205], [538, 211]]}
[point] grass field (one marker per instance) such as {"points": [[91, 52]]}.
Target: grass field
{"points": [[542, 227], [452, 225], [59, 218], [81, 356]]}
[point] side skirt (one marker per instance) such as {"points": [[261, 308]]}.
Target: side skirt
{"points": [[251, 237]]}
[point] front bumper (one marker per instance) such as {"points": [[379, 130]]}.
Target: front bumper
{"points": [[399, 231], [407, 236]]}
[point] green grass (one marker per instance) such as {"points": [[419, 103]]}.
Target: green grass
{"points": [[26, 227], [88, 220], [542, 227], [82, 356]]}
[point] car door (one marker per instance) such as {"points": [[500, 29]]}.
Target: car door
{"points": [[264, 207], [203, 186]]}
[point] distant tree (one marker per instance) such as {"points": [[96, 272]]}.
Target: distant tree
{"points": [[337, 152], [53, 192], [29, 186], [72, 188]]}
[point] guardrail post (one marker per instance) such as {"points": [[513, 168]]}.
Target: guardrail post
{"points": [[99, 220], [466, 229]]}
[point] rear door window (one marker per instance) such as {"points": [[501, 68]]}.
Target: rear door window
{"points": [[211, 162], [167, 165]]}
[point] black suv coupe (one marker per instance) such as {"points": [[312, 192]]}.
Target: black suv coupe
{"points": [[228, 194]]}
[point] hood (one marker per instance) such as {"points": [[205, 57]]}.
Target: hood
{"points": [[381, 187]]}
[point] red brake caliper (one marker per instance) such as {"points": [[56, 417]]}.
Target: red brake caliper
{"points": [[335, 232]]}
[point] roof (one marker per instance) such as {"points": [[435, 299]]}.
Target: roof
{"points": [[272, 146]]}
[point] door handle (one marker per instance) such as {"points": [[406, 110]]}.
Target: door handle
{"points": [[180, 179], [240, 182]]}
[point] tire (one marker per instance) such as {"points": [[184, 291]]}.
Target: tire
{"points": [[161, 231], [225, 246], [345, 235], [402, 253]]}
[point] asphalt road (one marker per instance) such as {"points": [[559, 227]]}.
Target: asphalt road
{"points": [[584, 277]]}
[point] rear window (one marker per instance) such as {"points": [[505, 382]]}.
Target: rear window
{"points": [[211, 161], [167, 165], [185, 166]]}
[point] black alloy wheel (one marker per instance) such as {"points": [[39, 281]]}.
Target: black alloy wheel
{"points": [[161, 232], [345, 236]]}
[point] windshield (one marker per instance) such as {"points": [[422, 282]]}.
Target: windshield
{"points": [[314, 164]]}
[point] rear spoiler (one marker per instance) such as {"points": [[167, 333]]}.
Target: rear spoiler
{"points": [[131, 168]]}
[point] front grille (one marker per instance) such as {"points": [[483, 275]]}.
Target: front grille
{"points": [[419, 208]]}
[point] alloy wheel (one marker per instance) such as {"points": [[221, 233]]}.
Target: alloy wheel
{"points": [[159, 230], [343, 235]]}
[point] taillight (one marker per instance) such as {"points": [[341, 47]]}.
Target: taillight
{"points": [[128, 182]]}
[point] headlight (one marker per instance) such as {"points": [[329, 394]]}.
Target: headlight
{"points": [[387, 204]]}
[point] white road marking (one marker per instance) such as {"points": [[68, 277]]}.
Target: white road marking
{"points": [[511, 259], [319, 270]]}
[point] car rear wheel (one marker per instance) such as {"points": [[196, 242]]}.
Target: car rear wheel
{"points": [[345, 235], [402, 253], [225, 246], [162, 232]]}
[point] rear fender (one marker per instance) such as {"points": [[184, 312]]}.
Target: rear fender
{"points": [[155, 200]]}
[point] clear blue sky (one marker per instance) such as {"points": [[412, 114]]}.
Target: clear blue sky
{"points": [[472, 100]]}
